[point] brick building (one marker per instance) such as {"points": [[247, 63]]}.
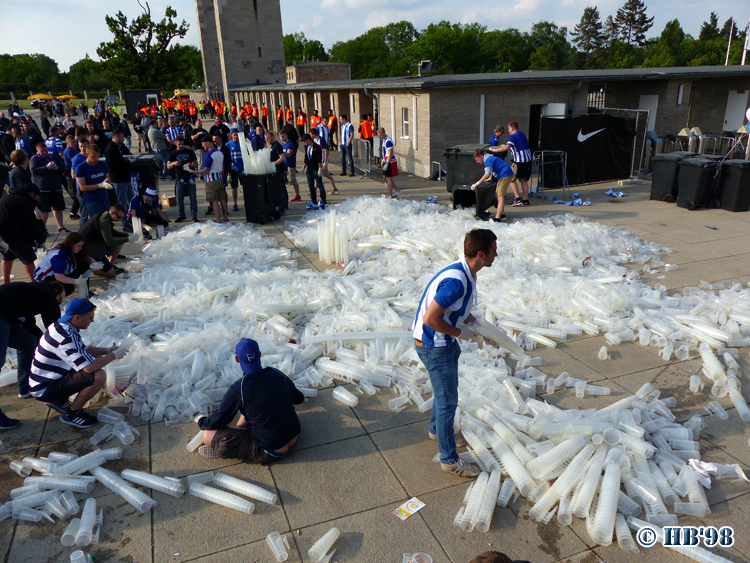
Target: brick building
{"points": [[317, 72], [241, 43], [424, 115]]}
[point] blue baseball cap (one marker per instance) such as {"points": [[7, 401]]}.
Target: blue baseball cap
{"points": [[78, 306], [248, 353]]}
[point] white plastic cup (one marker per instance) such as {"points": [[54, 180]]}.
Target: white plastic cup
{"points": [[344, 396]]}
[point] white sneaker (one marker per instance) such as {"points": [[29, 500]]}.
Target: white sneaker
{"points": [[397, 192]]}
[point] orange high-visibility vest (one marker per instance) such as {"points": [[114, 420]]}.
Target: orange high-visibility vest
{"points": [[279, 114], [255, 111], [264, 111], [314, 120], [289, 114], [192, 110], [301, 118], [366, 132]]}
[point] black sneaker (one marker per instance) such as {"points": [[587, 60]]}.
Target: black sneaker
{"points": [[502, 218], [7, 423], [196, 220], [517, 203], [62, 408], [118, 270], [74, 216], [79, 419], [180, 220], [209, 211], [526, 202]]}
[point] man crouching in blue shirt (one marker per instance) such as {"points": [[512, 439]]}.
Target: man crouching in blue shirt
{"points": [[268, 425]]}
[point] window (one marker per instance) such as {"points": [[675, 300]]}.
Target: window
{"points": [[260, 53], [597, 96], [404, 123], [680, 89]]}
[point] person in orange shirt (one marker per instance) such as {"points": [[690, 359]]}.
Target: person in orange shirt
{"points": [[193, 112], [314, 119], [264, 115], [289, 113], [365, 131], [234, 109], [280, 118], [333, 126], [301, 122]]}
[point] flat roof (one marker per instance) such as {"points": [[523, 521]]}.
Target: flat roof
{"points": [[524, 77]]}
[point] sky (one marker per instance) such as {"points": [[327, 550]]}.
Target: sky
{"points": [[330, 21]]}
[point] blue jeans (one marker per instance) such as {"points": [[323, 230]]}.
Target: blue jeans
{"points": [[346, 151], [17, 337], [163, 156], [124, 191], [83, 212], [96, 208], [312, 180], [183, 189], [442, 365]]}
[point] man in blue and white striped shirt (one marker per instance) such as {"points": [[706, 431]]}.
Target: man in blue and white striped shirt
{"points": [[518, 145], [63, 365], [444, 308], [347, 134], [173, 130]]}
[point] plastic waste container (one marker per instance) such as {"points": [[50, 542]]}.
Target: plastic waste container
{"points": [[694, 182], [258, 205], [664, 178], [144, 172], [733, 193], [277, 189], [480, 199], [461, 170]]}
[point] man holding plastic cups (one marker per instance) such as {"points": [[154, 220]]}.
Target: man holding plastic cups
{"points": [[268, 425], [63, 365], [445, 307]]}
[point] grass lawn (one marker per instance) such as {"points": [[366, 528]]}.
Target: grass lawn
{"points": [[25, 104]]}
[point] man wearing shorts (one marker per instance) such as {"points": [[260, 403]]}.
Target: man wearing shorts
{"points": [[20, 229], [213, 174], [518, 145], [47, 172], [63, 365], [498, 168], [390, 166], [323, 143], [268, 425]]}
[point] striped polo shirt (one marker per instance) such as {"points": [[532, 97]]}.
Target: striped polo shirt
{"points": [[173, 132], [454, 289], [60, 351], [346, 132], [519, 147]]}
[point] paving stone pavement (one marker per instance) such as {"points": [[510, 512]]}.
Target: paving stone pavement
{"points": [[354, 466]]}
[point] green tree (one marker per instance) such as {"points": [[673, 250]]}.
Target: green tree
{"points": [[667, 50], [505, 50], [588, 35], [550, 45], [710, 29], [456, 47], [299, 48], [88, 74], [730, 25], [633, 23], [389, 44], [141, 53], [35, 72], [610, 32]]}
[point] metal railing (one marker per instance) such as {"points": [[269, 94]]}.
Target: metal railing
{"points": [[362, 155]]}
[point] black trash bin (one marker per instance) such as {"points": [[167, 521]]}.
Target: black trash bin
{"points": [[258, 205], [460, 168], [734, 185], [144, 172], [277, 190], [695, 182], [480, 199], [664, 178]]}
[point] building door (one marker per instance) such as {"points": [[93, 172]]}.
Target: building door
{"points": [[535, 129], [734, 117], [650, 103]]}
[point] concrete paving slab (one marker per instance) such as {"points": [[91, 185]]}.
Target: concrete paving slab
{"points": [[256, 552], [730, 435], [333, 480], [31, 413], [566, 398], [9, 480], [169, 456], [734, 513], [626, 358], [375, 415], [511, 532], [125, 537], [325, 420], [409, 453], [197, 528], [362, 537], [557, 360]]}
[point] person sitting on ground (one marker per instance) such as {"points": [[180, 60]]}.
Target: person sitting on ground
{"points": [[63, 365], [20, 229], [102, 238], [147, 208], [20, 302], [494, 557], [66, 263], [268, 425]]}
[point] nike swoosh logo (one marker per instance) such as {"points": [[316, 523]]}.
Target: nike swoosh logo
{"points": [[582, 137]]}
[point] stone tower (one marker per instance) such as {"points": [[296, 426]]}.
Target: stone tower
{"points": [[241, 42]]}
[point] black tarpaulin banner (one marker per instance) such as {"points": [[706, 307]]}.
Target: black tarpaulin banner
{"points": [[599, 147]]}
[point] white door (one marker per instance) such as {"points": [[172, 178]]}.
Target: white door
{"points": [[735, 114], [554, 110], [650, 103]]}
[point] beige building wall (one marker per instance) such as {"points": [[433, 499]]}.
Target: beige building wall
{"points": [[318, 72], [406, 119]]}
